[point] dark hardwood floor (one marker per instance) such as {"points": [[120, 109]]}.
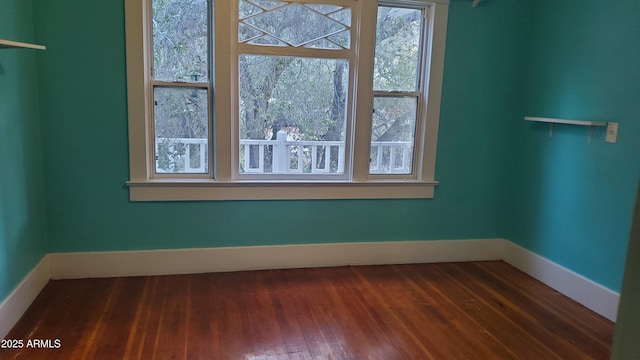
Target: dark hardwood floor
{"points": [[472, 310]]}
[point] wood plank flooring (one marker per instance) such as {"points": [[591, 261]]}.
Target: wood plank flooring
{"points": [[472, 310]]}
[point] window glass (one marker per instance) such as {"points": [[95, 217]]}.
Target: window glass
{"points": [[180, 40], [397, 51], [303, 99], [275, 23], [181, 129], [392, 134], [395, 84]]}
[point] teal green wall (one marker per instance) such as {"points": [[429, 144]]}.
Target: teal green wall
{"points": [[82, 85], [562, 198], [22, 221], [575, 199]]}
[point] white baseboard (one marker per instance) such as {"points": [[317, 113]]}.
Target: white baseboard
{"points": [[184, 261], [15, 304], [594, 296]]}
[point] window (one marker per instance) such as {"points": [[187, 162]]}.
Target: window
{"points": [[294, 81], [268, 99], [397, 78], [181, 86]]}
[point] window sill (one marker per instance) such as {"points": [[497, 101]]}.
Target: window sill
{"points": [[198, 189]]}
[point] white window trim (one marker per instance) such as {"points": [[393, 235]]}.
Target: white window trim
{"points": [[145, 187]]}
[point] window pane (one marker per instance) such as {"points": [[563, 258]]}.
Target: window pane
{"points": [[392, 134], [294, 24], [180, 40], [181, 128], [305, 99], [397, 49]]}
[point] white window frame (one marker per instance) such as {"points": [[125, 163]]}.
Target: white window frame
{"points": [[223, 181]]}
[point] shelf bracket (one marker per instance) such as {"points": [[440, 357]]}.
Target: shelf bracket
{"points": [[475, 3]]}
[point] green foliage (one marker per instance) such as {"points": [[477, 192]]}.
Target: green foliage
{"points": [[179, 112], [394, 119], [170, 155], [397, 47], [296, 94], [180, 40]]}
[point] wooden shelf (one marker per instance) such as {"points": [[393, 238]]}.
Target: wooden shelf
{"points": [[566, 121], [8, 44], [551, 121]]}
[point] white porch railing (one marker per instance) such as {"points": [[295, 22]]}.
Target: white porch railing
{"points": [[292, 157], [391, 157], [281, 156], [179, 155]]}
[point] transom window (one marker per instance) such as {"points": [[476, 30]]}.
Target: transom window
{"points": [[279, 23], [300, 98]]}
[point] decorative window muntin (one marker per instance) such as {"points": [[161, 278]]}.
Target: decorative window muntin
{"points": [[288, 23]]}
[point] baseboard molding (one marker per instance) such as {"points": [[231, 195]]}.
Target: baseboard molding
{"points": [[184, 261], [594, 296], [15, 304]]}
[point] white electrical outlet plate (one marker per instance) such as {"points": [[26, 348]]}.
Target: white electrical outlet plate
{"points": [[612, 132]]}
